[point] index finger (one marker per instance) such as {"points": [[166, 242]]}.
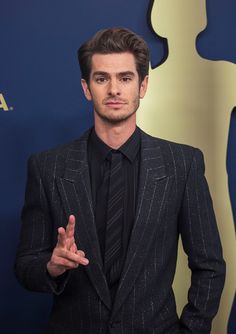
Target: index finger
{"points": [[61, 237]]}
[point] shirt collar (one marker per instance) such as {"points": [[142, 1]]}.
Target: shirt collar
{"points": [[129, 149], [99, 148]]}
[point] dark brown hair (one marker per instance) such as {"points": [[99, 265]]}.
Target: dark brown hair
{"points": [[114, 40]]}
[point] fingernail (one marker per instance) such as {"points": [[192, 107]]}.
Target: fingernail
{"points": [[86, 261]]}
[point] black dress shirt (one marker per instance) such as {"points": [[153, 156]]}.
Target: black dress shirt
{"points": [[98, 158]]}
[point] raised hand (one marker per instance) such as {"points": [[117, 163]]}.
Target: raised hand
{"points": [[66, 255]]}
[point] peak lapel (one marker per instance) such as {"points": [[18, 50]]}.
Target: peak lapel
{"points": [[153, 186], [76, 196]]}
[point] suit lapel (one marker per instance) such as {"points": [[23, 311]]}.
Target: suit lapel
{"points": [[76, 196], [153, 185]]}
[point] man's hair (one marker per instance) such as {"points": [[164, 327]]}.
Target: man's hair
{"points": [[114, 40]]}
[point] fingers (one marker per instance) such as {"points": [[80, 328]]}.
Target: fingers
{"points": [[69, 259], [66, 255], [63, 260], [78, 257], [66, 236], [80, 252], [61, 237], [70, 228], [73, 248]]}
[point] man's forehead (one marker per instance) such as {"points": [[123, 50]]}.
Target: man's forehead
{"points": [[118, 62]]}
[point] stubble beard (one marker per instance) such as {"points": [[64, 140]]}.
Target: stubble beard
{"points": [[117, 119]]}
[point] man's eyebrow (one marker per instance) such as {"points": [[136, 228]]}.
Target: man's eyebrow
{"points": [[119, 74], [126, 73], [100, 73]]}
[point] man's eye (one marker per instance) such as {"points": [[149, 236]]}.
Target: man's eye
{"points": [[101, 79], [126, 79]]}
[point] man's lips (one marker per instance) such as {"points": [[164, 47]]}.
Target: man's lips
{"points": [[115, 103]]}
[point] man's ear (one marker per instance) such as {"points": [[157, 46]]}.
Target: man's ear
{"points": [[86, 90], [143, 87]]}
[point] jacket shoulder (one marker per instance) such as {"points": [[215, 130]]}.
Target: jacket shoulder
{"points": [[175, 155], [55, 158], [169, 145], [64, 149]]}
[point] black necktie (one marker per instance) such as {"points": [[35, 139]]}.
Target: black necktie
{"points": [[115, 209]]}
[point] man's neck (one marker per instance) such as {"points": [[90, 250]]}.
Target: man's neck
{"points": [[115, 135]]}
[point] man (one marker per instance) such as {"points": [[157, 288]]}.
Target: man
{"points": [[103, 214]]}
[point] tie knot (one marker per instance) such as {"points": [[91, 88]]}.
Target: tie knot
{"points": [[114, 156]]}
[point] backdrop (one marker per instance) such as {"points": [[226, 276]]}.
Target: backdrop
{"points": [[41, 105]]}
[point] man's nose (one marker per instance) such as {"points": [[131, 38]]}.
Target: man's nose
{"points": [[114, 87]]}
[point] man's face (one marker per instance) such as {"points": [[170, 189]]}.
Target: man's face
{"points": [[114, 87]]}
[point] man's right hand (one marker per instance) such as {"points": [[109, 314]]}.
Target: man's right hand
{"points": [[66, 255]]}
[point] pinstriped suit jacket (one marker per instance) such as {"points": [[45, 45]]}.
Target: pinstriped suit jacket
{"points": [[173, 200]]}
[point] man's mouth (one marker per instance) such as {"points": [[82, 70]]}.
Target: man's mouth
{"points": [[115, 103]]}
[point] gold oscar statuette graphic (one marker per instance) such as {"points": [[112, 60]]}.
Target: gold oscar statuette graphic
{"points": [[189, 100]]}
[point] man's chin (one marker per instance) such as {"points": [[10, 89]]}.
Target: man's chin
{"points": [[115, 119]]}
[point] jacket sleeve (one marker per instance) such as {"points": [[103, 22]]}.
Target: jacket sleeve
{"points": [[36, 244], [202, 245]]}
